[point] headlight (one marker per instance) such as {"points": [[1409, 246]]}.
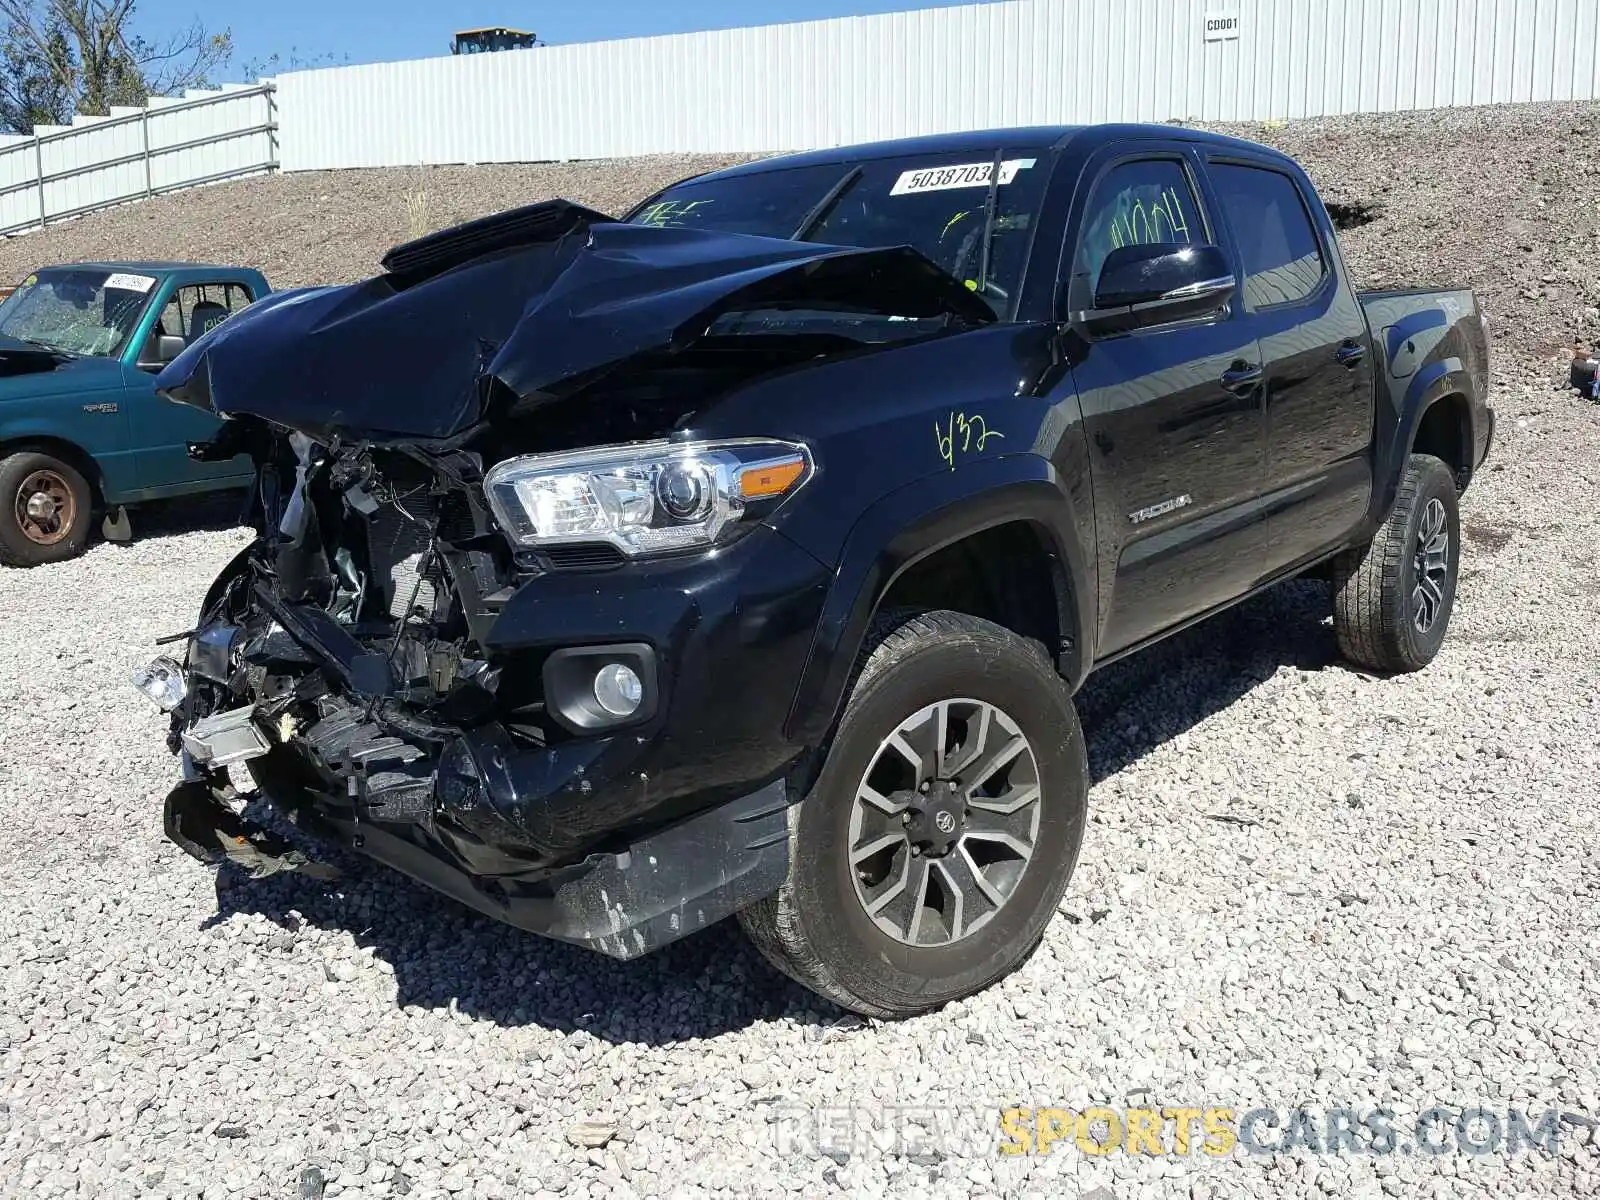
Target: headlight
{"points": [[164, 681], [642, 499]]}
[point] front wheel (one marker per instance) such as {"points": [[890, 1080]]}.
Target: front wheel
{"points": [[1392, 599], [943, 828], [45, 506]]}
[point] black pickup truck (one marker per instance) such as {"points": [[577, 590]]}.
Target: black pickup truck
{"points": [[743, 556]]}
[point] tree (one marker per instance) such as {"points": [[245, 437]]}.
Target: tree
{"points": [[29, 93], [65, 56], [259, 68]]}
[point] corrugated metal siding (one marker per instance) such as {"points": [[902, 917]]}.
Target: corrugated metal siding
{"points": [[99, 161], [822, 83]]}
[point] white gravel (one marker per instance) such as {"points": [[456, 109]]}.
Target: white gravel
{"points": [[1300, 886]]}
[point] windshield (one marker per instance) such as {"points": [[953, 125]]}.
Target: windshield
{"points": [[86, 311], [938, 206]]}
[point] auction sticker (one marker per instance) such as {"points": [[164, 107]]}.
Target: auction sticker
{"points": [[964, 175], [130, 283]]}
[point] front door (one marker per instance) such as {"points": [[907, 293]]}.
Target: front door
{"points": [[1172, 413], [160, 429]]}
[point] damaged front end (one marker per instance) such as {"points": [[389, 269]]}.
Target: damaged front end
{"points": [[475, 647], [342, 662]]}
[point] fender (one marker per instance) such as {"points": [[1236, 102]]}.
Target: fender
{"points": [[41, 434], [1441, 378], [920, 519]]}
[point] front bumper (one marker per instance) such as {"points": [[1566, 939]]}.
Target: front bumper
{"points": [[622, 903], [726, 636], [621, 839]]}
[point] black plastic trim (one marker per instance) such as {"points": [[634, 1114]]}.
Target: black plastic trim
{"points": [[659, 889]]}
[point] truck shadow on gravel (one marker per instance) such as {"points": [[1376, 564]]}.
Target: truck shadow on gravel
{"points": [[444, 957]]}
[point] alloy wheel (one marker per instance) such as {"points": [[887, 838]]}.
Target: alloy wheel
{"points": [[944, 822], [1432, 562]]}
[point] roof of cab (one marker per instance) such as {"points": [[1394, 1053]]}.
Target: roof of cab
{"points": [[149, 267], [1053, 137]]}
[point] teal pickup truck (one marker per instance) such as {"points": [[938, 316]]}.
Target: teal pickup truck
{"points": [[82, 431]]}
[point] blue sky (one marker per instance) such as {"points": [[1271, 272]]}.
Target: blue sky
{"points": [[382, 30]]}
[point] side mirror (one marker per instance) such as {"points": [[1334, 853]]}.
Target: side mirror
{"points": [[160, 350], [1159, 282]]}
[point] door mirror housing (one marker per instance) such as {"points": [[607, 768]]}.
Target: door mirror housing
{"points": [[161, 349], [1158, 282]]}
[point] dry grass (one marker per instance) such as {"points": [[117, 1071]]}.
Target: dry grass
{"points": [[416, 206]]}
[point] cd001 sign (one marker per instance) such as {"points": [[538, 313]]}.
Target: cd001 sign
{"points": [[1222, 26]]}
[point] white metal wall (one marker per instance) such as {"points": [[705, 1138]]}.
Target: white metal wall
{"points": [[820, 83], [135, 152]]}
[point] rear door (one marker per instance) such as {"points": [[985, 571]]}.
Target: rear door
{"points": [[1172, 412], [162, 430], [1316, 350]]}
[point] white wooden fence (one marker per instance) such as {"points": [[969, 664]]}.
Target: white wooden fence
{"points": [[821, 83]]}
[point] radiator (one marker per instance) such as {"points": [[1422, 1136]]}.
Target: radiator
{"points": [[399, 546]]}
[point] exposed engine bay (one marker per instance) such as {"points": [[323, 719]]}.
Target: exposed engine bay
{"points": [[392, 572]]}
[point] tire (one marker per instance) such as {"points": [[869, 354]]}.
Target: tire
{"points": [[1379, 614], [817, 928], [28, 536]]}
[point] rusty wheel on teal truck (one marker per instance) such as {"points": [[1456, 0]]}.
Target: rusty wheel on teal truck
{"points": [[45, 509]]}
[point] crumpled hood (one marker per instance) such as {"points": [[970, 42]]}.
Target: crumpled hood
{"points": [[538, 300]]}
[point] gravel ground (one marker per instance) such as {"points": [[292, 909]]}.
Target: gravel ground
{"points": [[1301, 886]]}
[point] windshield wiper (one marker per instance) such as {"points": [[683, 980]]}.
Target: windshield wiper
{"points": [[38, 345], [824, 206]]}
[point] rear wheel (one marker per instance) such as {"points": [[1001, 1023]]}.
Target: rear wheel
{"points": [[928, 859], [45, 507], [1392, 599]]}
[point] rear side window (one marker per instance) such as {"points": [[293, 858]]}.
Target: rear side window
{"points": [[213, 302], [1135, 203], [1278, 245]]}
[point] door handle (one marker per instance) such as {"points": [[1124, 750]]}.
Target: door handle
{"points": [[1349, 354], [1242, 377]]}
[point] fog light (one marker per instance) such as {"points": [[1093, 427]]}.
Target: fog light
{"points": [[617, 690], [163, 681]]}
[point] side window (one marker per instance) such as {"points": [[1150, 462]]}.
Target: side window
{"points": [[170, 323], [1148, 201], [1278, 245], [197, 309]]}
